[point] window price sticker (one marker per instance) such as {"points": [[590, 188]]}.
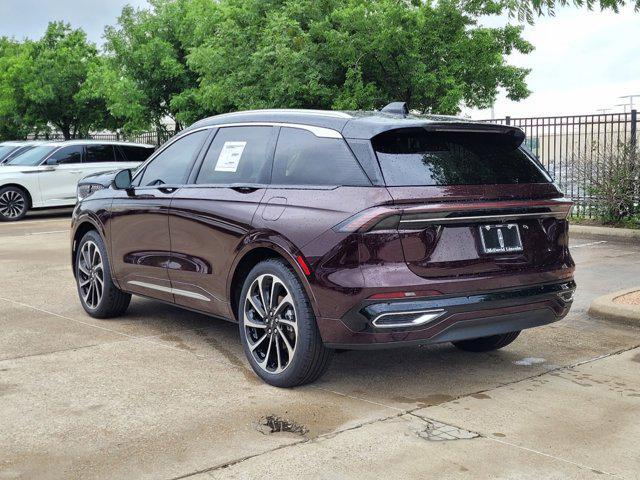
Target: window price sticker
{"points": [[230, 156]]}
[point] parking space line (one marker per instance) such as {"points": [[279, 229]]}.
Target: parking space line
{"points": [[588, 244], [132, 337]]}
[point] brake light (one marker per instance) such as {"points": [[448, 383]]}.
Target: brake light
{"points": [[377, 218]]}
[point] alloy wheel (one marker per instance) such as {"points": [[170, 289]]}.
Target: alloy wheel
{"points": [[270, 324], [12, 204], [90, 274]]}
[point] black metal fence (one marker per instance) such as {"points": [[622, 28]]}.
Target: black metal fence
{"points": [[573, 147], [153, 138], [570, 147]]}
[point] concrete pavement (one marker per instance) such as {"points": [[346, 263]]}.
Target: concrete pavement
{"points": [[165, 393]]}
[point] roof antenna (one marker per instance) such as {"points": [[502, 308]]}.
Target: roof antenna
{"points": [[396, 108]]}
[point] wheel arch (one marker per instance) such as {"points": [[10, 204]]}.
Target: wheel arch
{"points": [[250, 257], [24, 189], [80, 228]]}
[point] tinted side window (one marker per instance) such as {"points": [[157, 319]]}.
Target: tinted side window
{"points": [[136, 154], [237, 155], [99, 153], [173, 164], [304, 159], [66, 155]]}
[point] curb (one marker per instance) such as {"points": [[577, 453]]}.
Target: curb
{"points": [[592, 231], [605, 307]]}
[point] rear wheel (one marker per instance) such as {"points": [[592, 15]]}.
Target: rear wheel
{"points": [[487, 344], [14, 204], [98, 294], [278, 328]]}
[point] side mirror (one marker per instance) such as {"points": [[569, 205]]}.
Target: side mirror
{"points": [[52, 161], [122, 180]]}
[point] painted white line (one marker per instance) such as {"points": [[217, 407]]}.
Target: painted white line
{"points": [[588, 244], [47, 233]]}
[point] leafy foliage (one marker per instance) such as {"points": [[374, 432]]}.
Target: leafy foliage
{"points": [[43, 83], [358, 54], [144, 75], [185, 59], [611, 173], [528, 10]]}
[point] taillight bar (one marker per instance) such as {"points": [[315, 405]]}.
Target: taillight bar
{"points": [[391, 217]]}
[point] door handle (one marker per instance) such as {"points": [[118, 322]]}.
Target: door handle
{"points": [[75, 171], [245, 189]]}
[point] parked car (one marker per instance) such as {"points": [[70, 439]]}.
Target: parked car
{"points": [[319, 230], [47, 174], [11, 149]]}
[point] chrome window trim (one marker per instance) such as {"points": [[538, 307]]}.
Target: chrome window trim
{"points": [[321, 113], [320, 132]]}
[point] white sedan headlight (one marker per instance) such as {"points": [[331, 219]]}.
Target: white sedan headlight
{"points": [[86, 189]]}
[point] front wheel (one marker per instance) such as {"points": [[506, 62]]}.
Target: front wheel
{"points": [[487, 344], [99, 295], [278, 327], [14, 204]]}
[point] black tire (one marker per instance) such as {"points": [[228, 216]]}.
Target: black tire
{"points": [[487, 344], [310, 357], [113, 302], [14, 204]]}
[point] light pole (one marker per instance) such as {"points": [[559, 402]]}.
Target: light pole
{"points": [[624, 105], [630, 97]]}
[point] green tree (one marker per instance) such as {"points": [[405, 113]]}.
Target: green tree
{"points": [[355, 54], [144, 76], [12, 125], [47, 82], [528, 10]]}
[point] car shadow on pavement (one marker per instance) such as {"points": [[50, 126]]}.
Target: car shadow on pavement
{"points": [[402, 377]]}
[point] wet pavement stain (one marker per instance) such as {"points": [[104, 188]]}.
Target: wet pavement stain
{"points": [[427, 401], [274, 424], [7, 388], [481, 396], [177, 341], [248, 373]]}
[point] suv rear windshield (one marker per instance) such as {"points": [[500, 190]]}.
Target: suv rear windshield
{"points": [[413, 156]]}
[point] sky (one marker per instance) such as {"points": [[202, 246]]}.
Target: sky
{"points": [[583, 61]]}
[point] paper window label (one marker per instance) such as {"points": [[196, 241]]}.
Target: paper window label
{"points": [[230, 156]]}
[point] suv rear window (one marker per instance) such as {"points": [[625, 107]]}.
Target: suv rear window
{"points": [[411, 157]]}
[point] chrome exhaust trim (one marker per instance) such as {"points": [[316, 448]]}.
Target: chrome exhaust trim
{"points": [[415, 318]]}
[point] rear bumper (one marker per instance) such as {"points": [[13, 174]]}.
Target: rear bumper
{"points": [[375, 324]]}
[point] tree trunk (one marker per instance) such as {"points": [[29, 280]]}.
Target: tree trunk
{"points": [[66, 131]]}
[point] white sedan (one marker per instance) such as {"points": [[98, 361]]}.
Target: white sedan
{"points": [[47, 175]]}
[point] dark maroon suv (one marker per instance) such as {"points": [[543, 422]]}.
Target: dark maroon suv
{"points": [[317, 230]]}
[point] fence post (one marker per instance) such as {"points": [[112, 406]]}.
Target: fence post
{"points": [[507, 120], [634, 127]]}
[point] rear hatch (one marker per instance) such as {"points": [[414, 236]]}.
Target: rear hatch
{"points": [[469, 201]]}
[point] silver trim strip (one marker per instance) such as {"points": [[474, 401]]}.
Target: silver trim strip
{"points": [[317, 131], [289, 111], [320, 132], [426, 317], [481, 218], [175, 291]]}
